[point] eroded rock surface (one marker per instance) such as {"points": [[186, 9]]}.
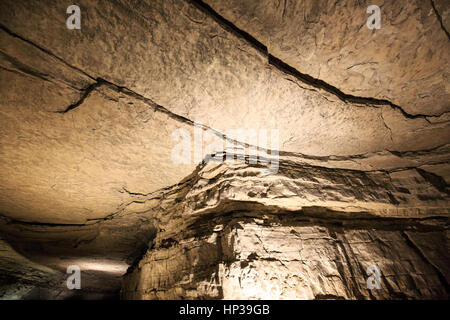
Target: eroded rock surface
{"points": [[304, 233], [405, 61], [87, 176], [287, 259]]}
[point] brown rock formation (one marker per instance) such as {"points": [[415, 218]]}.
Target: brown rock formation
{"points": [[87, 176], [305, 233]]}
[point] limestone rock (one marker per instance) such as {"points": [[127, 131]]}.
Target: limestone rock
{"points": [[90, 120], [243, 235], [405, 61]]}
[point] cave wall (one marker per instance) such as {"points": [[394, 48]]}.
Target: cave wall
{"points": [[281, 258], [303, 233], [87, 177]]}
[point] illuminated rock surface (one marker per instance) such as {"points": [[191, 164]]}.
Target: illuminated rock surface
{"points": [[305, 233], [86, 170]]}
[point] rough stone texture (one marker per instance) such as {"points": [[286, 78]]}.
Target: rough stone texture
{"points": [[405, 62], [86, 171], [19, 275], [241, 235], [295, 260]]}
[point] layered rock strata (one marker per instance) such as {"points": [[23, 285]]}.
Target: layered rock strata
{"points": [[87, 177], [304, 233]]}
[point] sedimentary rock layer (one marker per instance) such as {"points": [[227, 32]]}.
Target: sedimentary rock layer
{"points": [[88, 123], [304, 233]]}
